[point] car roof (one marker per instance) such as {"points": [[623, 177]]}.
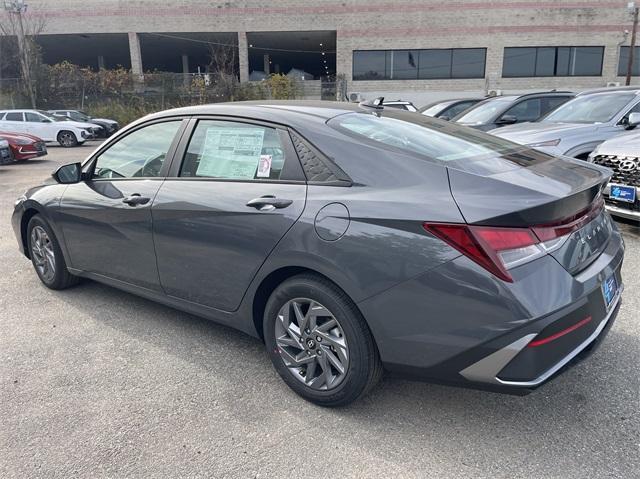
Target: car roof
{"points": [[288, 112], [621, 89]]}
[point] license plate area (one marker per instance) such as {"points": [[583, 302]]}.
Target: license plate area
{"points": [[622, 193], [609, 290]]}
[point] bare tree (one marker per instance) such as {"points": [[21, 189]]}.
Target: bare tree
{"points": [[223, 69], [19, 34]]}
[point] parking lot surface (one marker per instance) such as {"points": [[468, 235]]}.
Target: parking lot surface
{"points": [[95, 382]]}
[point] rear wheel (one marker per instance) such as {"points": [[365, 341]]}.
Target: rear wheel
{"points": [[67, 139], [319, 343], [46, 255]]}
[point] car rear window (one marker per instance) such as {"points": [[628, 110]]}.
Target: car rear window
{"points": [[450, 144]]}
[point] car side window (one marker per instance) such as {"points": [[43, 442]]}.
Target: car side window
{"points": [[552, 102], [634, 109], [33, 117], [456, 109], [231, 150], [527, 110], [14, 116], [140, 154]]}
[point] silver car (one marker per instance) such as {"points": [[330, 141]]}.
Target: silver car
{"points": [[577, 127], [622, 155]]}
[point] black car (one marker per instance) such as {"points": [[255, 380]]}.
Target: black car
{"points": [[447, 109], [509, 109]]}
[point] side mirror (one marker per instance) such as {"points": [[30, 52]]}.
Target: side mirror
{"points": [[633, 121], [68, 174], [507, 120]]}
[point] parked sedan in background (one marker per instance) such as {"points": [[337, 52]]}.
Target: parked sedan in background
{"points": [[109, 127], [577, 127], [45, 126], [499, 111], [622, 155], [350, 238], [447, 109], [24, 146]]}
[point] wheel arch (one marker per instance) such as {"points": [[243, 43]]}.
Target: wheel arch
{"points": [[29, 213], [270, 282]]}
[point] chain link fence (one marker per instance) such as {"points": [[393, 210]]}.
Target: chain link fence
{"points": [[123, 96]]}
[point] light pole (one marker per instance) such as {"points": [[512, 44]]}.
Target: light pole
{"points": [[16, 8], [633, 9]]}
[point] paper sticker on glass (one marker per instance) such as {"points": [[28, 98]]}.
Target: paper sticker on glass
{"points": [[231, 152]]}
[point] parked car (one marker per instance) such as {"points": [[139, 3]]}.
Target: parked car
{"points": [[577, 127], [447, 109], [400, 104], [45, 126], [24, 146], [5, 152], [622, 155], [109, 127], [498, 111], [352, 239]]}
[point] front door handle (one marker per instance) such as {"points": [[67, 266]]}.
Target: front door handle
{"points": [[269, 203], [135, 199]]}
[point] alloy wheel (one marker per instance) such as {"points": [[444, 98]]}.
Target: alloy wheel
{"points": [[42, 253], [67, 139], [312, 343]]}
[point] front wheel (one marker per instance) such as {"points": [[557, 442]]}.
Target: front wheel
{"points": [[67, 139], [46, 255], [319, 343]]}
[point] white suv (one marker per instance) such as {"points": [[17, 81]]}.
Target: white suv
{"points": [[46, 127]]}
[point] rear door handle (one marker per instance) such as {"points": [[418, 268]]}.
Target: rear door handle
{"points": [[269, 203], [135, 199]]}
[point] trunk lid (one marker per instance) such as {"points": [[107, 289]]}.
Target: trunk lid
{"points": [[540, 190]]}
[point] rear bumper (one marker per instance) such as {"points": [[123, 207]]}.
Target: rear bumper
{"points": [[458, 325]]}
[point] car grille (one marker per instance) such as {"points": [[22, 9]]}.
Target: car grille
{"points": [[626, 169], [39, 146]]}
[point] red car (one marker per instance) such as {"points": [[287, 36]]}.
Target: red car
{"points": [[24, 146]]}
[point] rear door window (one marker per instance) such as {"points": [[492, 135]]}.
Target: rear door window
{"points": [[234, 151], [14, 116]]}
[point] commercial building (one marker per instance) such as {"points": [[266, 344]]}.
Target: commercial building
{"points": [[413, 49]]}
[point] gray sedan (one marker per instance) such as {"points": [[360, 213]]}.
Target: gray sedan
{"points": [[351, 239]]}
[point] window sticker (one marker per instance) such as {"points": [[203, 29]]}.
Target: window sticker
{"points": [[264, 167], [231, 152]]}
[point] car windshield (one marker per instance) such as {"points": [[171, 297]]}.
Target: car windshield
{"points": [[52, 117], [455, 145], [79, 115], [599, 108], [433, 110], [485, 111]]}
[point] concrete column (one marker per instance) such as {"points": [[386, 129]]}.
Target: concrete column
{"points": [[136, 58], [243, 56], [185, 70], [267, 66]]}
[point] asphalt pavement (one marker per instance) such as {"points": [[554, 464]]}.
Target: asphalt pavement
{"points": [[95, 382]]}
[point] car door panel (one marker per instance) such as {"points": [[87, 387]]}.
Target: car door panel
{"points": [[106, 220], [212, 232], [210, 244]]}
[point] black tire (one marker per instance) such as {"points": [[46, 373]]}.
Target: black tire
{"points": [[61, 279], [67, 139], [364, 366]]}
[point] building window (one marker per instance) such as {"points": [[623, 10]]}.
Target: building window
{"points": [[552, 61], [419, 64], [623, 62]]}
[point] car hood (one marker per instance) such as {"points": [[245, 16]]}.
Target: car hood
{"points": [[105, 120], [535, 132], [80, 124], [19, 136], [627, 144]]}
